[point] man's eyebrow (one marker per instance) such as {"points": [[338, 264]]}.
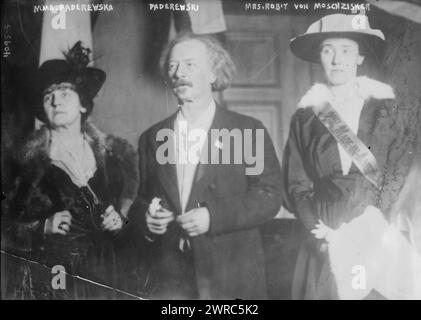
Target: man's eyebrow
{"points": [[183, 58]]}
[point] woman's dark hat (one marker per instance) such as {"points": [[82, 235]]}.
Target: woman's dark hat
{"points": [[356, 27], [73, 69]]}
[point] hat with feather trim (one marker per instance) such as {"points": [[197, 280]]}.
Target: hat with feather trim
{"points": [[72, 69]]}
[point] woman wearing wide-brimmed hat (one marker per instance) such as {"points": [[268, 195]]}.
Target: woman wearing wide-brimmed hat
{"points": [[74, 189], [337, 155]]}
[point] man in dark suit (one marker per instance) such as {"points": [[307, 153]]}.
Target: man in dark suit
{"points": [[198, 212]]}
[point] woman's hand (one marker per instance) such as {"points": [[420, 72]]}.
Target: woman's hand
{"points": [[322, 231], [112, 220], [59, 223]]}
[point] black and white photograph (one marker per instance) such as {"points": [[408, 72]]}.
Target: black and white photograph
{"points": [[211, 150]]}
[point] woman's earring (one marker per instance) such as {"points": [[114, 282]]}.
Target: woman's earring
{"points": [[82, 110]]}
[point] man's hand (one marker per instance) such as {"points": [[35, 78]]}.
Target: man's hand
{"points": [[195, 222], [59, 223], [112, 220], [158, 221]]}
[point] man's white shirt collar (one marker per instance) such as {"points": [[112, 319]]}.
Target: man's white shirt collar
{"points": [[204, 121]]}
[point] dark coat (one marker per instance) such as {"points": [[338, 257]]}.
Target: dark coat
{"points": [[228, 260], [316, 188], [43, 189]]}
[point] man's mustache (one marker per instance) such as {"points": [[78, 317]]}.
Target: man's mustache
{"points": [[178, 83]]}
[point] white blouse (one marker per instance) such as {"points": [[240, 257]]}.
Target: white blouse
{"points": [[75, 157]]}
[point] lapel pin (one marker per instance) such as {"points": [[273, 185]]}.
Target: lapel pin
{"points": [[219, 144]]}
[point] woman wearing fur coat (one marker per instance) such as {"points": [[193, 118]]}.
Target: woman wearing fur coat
{"points": [[338, 160], [75, 187]]}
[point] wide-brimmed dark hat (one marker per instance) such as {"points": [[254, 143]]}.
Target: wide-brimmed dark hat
{"points": [[356, 27], [72, 69]]}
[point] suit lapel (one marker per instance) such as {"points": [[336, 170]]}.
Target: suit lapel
{"points": [[166, 173], [206, 171]]}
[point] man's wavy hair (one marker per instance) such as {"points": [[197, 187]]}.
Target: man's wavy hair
{"points": [[221, 62]]}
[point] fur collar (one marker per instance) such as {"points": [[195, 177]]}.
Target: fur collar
{"points": [[367, 88], [38, 143]]}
